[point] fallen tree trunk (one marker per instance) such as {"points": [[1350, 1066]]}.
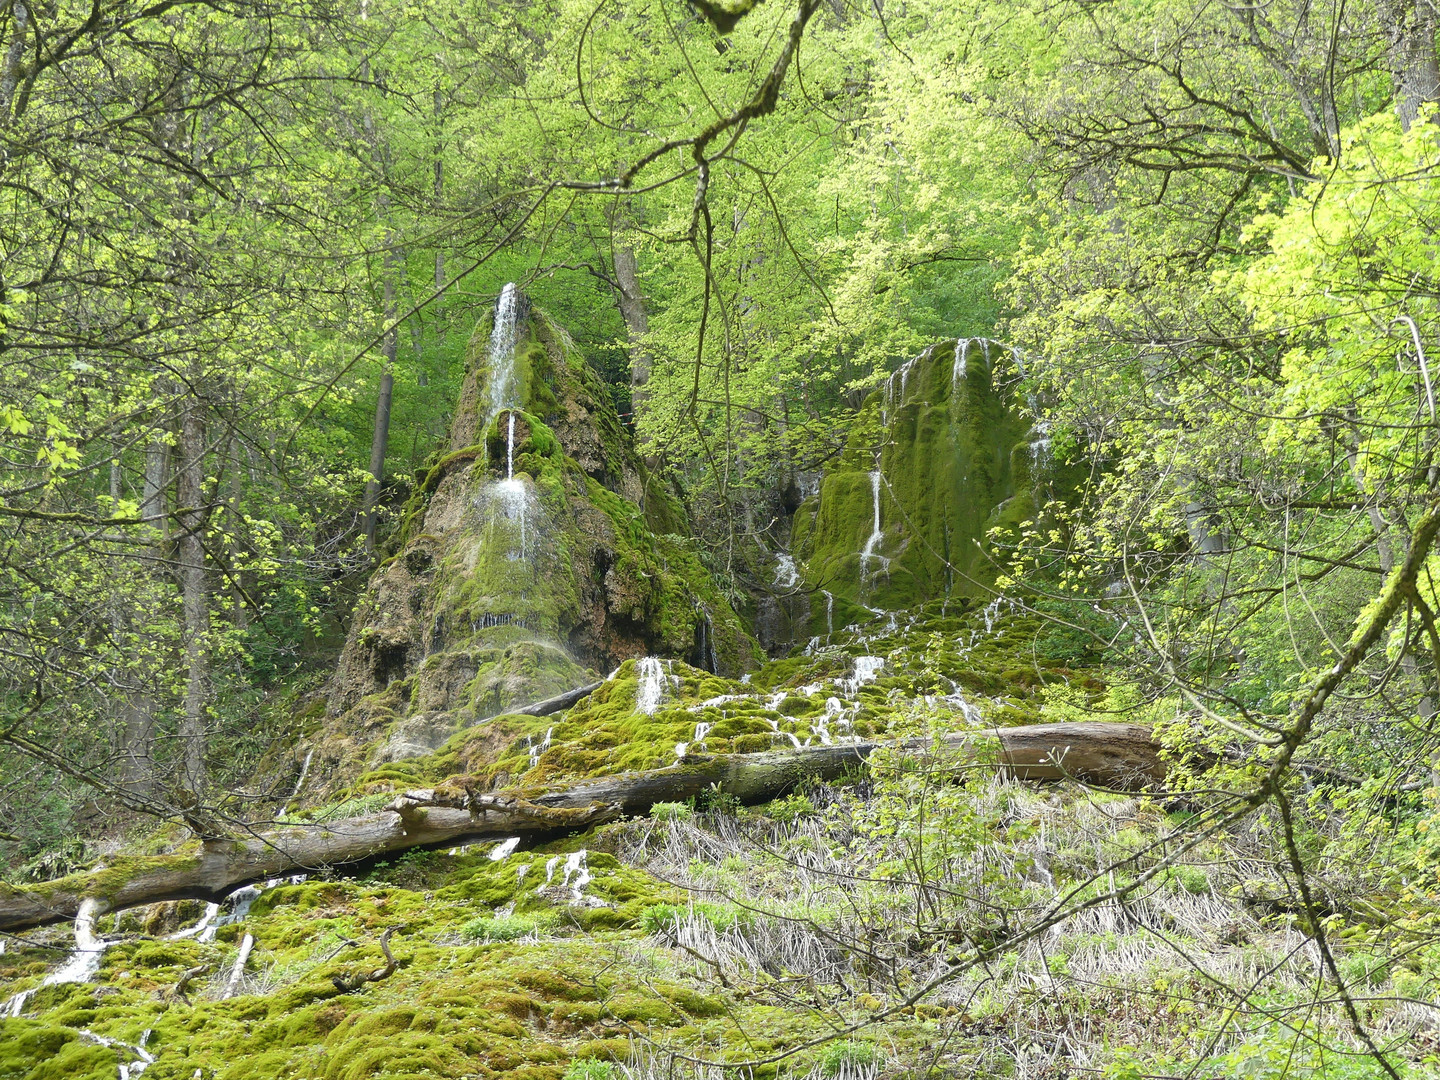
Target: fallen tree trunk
{"points": [[1109, 755], [555, 704]]}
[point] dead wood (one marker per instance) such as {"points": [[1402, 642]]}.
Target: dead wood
{"points": [[1110, 755], [348, 984], [180, 991]]}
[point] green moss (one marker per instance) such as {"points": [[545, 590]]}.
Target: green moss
{"points": [[106, 881], [959, 473]]}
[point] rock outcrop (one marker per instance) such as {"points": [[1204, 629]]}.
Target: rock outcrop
{"points": [[940, 458], [537, 551]]}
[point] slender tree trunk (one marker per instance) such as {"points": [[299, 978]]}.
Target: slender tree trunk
{"points": [[1385, 553], [14, 55], [439, 181], [195, 601], [1410, 27], [138, 710], [381, 436], [637, 323], [235, 555]]}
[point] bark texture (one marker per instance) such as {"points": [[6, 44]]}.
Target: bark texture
{"points": [[1110, 755], [190, 551]]}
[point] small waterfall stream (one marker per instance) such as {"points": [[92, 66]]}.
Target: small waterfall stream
{"points": [[876, 536], [654, 679], [509, 496], [504, 385]]}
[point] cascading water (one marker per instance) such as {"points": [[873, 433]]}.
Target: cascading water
{"points": [[82, 965], [958, 370], [504, 386], [509, 495], [304, 772], [876, 536], [510, 449], [650, 689], [787, 574], [505, 849]]}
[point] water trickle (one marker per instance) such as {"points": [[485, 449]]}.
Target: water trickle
{"points": [[650, 691], [876, 536], [504, 849], [304, 772], [239, 901], [575, 864], [992, 611], [829, 615], [787, 574], [211, 912]]}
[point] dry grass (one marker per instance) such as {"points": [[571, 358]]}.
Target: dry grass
{"points": [[839, 921]]}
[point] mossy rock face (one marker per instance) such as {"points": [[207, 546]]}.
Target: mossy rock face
{"points": [[939, 458], [537, 552]]}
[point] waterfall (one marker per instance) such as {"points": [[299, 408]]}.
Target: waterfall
{"points": [[505, 849], [508, 495], [787, 574], [1040, 444], [304, 772], [575, 864], [211, 912], [504, 388], [510, 449], [650, 691], [83, 963], [957, 372], [866, 668], [875, 536]]}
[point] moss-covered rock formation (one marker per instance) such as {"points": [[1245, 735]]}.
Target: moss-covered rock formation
{"points": [[940, 458], [536, 551]]}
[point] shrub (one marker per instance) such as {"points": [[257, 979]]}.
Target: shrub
{"points": [[590, 1069], [790, 808], [670, 811], [849, 1059], [663, 918], [714, 801], [500, 927]]}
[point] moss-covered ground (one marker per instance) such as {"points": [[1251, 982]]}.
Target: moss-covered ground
{"points": [[896, 925]]}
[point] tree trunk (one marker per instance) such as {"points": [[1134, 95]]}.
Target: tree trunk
{"points": [[14, 55], [439, 181], [632, 310], [195, 600], [1105, 754], [381, 437], [1410, 27], [137, 712]]}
